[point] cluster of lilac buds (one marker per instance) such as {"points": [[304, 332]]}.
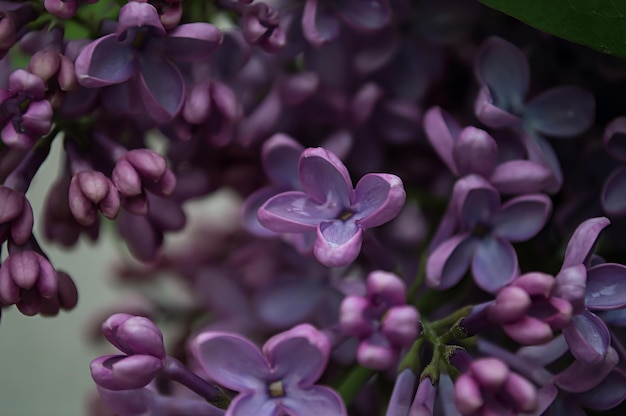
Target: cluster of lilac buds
{"points": [[367, 204]]}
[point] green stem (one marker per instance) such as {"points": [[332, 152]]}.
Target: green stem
{"points": [[419, 279], [451, 319], [352, 383], [412, 358]]}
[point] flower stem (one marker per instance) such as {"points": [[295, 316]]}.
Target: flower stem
{"points": [[353, 382]]}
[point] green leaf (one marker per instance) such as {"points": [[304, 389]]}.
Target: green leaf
{"points": [[599, 24]]}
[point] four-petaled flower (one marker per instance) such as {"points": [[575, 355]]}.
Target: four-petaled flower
{"points": [[279, 379], [332, 207]]}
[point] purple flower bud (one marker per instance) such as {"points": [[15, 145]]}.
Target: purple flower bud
{"points": [[386, 287], [134, 335], [376, 353], [65, 9], [16, 216], [66, 298], [119, 372], [90, 191], [424, 401], [141, 168], [400, 325]]}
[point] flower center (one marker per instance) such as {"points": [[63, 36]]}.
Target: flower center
{"points": [[345, 215], [481, 230], [275, 389]]}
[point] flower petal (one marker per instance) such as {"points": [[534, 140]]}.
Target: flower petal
{"points": [[581, 376], [523, 217], [338, 243], [137, 14], [448, 263], [583, 240], [379, 197], [299, 356], [442, 131], [614, 193], [588, 337], [480, 206], [191, 41], [475, 151], [606, 395], [293, 212], [504, 69], [615, 138], [561, 112], [257, 404], [314, 401], [280, 156], [490, 114], [369, 15], [231, 360], [251, 206], [325, 178], [494, 264], [319, 25], [606, 286], [520, 177], [105, 61], [162, 87]]}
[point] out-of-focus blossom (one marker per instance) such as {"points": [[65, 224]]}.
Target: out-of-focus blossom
{"points": [[278, 379], [382, 320], [65, 9], [332, 207]]}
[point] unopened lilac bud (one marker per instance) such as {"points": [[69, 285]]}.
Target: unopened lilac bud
{"points": [[226, 101], [44, 64], [251, 28], [275, 41], [26, 270], [536, 284], [89, 192], [467, 395], [475, 151], [118, 372], [377, 354], [400, 325], [571, 286], [7, 33], [490, 373], [66, 77], [529, 331], [16, 216], [522, 393], [424, 401], [66, 298], [352, 317], [386, 287], [197, 105], [510, 304], [143, 167], [134, 335]]}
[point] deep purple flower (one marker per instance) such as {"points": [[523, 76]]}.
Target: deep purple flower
{"points": [[141, 341], [485, 234], [90, 191], [25, 114], [141, 52], [16, 216], [330, 205], [382, 320], [278, 379]]}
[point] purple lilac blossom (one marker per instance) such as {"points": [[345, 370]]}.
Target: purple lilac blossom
{"points": [[334, 209], [280, 378], [486, 230], [141, 52], [613, 189]]}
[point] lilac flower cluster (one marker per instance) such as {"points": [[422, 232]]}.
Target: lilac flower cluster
{"points": [[458, 275]]}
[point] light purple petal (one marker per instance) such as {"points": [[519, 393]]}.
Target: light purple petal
{"points": [[539, 150], [280, 156], [314, 401], [251, 206], [379, 197], [580, 376], [442, 131], [325, 178], [191, 41], [523, 217], [475, 151], [402, 395], [293, 212], [448, 263], [319, 25], [257, 404], [490, 114], [546, 353], [162, 87], [583, 240], [105, 61], [520, 177], [494, 264], [364, 15], [504, 69], [137, 14], [338, 243], [231, 360], [561, 112], [606, 286], [606, 395], [615, 138], [480, 206], [299, 356], [588, 337], [614, 192]]}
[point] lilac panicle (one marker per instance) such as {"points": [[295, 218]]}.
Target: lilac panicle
{"points": [[279, 378], [141, 341], [334, 209], [485, 235], [141, 52], [382, 321]]}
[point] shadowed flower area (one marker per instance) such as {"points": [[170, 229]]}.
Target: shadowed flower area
{"points": [[278, 379], [331, 206], [139, 55]]}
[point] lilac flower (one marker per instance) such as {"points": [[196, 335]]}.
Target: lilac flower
{"points": [[16, 216], [424, 401], [279, 379], [382, 320], [25, 114], [487, 386], [66, 297], [400, 400], [485, 235], [141, 342], [14, 16], [332, 207], [613, 200], [504, 75], [65, 9], [470, 150], [141, 52]]}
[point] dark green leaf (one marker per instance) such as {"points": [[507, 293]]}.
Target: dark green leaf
{"points": [[599, 24]]}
